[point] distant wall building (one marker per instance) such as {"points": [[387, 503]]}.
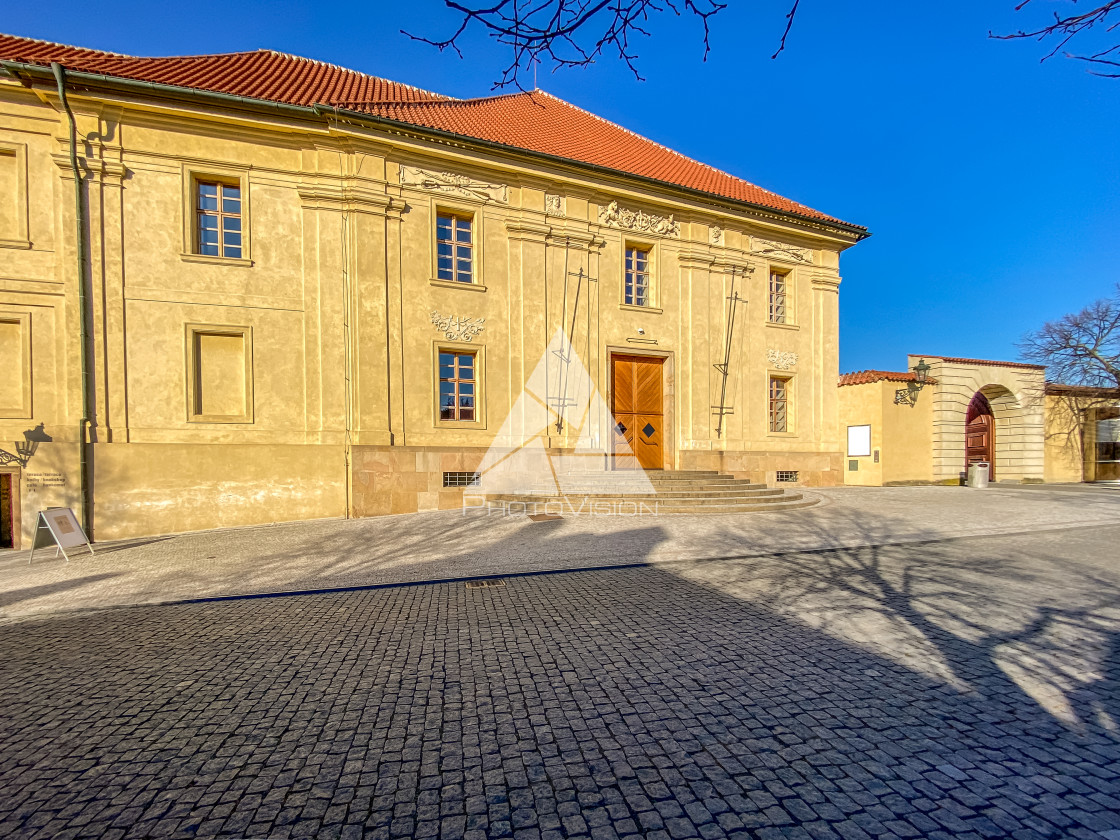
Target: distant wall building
{"points": [[314, 293], [972, 410], [1082, 433]]}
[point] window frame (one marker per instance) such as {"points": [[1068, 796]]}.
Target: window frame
{"points": [[458, 206], [788, 401], [787, 294], [220, 215], [652, 286], [460, 348], [193, 331], [22, 238], [193, 175], [456, 216]]}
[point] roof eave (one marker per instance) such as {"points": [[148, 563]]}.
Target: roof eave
{"points": [[316, 112]]}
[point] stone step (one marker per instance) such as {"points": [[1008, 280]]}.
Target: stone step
{"points": [[791, 502], [691, 501], [596, 492], [674, 492], [608, 486]]}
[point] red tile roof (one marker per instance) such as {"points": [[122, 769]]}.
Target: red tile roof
{"points": [[543, 123], [263, 74], [865, 377], [984, 362], [535, 121]]}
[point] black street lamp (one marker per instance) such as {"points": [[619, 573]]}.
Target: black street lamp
{"points": [[909, 394]]}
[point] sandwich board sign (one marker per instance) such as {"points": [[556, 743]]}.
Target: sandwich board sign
{"points": [[59, 526]]}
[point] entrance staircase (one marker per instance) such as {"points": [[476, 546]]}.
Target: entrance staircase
{"points": [[675, 491]]}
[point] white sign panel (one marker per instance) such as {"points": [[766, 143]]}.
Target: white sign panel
{"points": [[59, 526], [859, 441]]}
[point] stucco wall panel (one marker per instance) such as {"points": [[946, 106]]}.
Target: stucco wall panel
{"points": [[147, 489]]}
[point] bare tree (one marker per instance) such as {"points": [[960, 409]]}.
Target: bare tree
{"points": [[572, 33], [575, 33], [1066, 27], [1081, 348]]}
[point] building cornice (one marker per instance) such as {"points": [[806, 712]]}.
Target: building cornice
{"points": [[28, 74]]}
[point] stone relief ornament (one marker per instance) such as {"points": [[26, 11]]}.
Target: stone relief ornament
{"points": [[715, 235], [781, 359], [614, 216], [452, 184], [458, 328], [770, 248], [554, 205]]}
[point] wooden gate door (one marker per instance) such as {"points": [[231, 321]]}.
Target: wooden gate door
{"points": [[980, 434], [638, 409], [7, 514]]}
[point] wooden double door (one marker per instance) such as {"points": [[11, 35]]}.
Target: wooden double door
{"points": [[980, 434], [637, 403]]}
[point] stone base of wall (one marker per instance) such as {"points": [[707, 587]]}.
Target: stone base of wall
{"points": [[815, 469], [408, 479]]}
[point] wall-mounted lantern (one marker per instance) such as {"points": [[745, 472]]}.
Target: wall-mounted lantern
{"points": [[25, 448], [909, 394]]}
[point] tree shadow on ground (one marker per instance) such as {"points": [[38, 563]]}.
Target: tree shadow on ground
{"points": [[640, 699], [16, 596], [1024, 619]]}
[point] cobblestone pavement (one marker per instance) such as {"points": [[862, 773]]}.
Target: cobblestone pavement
{"points": [[394, 549], [963, 688]]}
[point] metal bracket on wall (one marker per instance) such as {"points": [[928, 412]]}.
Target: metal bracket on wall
{"points": [[722, 410], [562, 401], [908, 395]]}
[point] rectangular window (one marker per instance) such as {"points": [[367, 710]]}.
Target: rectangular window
{"points": [[787, 476], [779, 404], [218, 219], [457, 381], [636, 289], [778, 297], [454, 248], [12, 198]]}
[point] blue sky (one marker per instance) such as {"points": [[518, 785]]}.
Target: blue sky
{"points": [[991, 182]]}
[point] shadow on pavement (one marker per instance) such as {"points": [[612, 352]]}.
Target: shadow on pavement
{"points": [[15, 596], [640, 700]]}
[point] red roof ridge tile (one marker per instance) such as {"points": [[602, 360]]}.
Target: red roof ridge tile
{"points": [[99, 52], [867, 377], [986, 362], [45, 43], [438, 97], [91, 54]]}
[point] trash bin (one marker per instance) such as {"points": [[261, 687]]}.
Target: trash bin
{"points": [[978, 474]]}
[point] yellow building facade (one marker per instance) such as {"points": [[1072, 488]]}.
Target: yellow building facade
{"points": [[296, 311]]}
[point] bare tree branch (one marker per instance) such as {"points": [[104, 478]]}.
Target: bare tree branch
{"points": [[569, 33], [1067, 27], [789, 26], [1081, 348]]}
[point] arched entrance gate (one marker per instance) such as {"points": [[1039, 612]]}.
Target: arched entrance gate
{"points": [[980, 434]]}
